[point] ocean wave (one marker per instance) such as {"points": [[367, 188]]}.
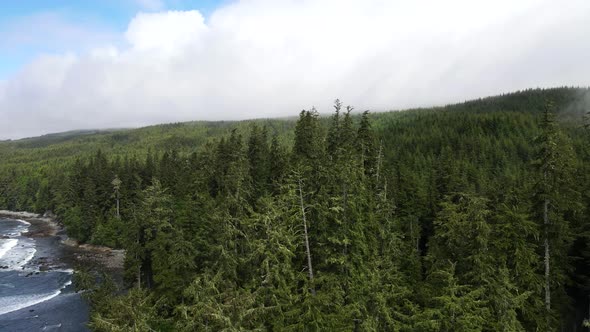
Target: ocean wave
{"points": [[24, 222], [23, 227], [30, 253], [51, 327], [17, 302], [17, 229], [14, 303], [68, 271], [6, 245], [18, 253]]}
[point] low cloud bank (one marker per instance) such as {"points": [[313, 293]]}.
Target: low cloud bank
{"points": [[268, 58]]}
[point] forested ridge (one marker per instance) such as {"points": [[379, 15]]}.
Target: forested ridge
{"points": [[468, 217]]}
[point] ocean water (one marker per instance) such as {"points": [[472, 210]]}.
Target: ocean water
{"points": [[35, 298], [15, 249]]}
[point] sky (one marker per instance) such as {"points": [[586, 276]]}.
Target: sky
{"points": [[67, 65]]}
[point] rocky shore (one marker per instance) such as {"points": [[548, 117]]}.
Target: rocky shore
{"points": [[81, 255]]}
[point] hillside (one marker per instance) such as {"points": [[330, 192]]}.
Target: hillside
{"points": [[572, 103], [419, 220]]}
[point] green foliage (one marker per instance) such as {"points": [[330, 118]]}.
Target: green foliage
{"points": [[453, 306], [423, 220], [132, 312]]}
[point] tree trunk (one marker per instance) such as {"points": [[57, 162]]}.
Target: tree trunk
{"points": [[379, 156], [139, 265], [118, 214], [547, 266], [307, 250]]}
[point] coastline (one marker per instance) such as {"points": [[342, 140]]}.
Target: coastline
{"points": [[86, 255], [38, 295], [56, 258]]}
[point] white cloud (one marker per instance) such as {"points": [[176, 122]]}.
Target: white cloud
{"points": [[169, 33], [266, 58]]}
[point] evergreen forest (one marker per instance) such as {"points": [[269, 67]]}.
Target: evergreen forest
{"points": [[467, 217]]}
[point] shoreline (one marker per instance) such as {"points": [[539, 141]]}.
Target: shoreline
{"points": [[39, 294], [80, 254]]}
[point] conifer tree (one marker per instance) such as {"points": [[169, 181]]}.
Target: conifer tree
{"points": [[553, 162], [366, 145], [277, 165], [258, 159], [117, 188], [452, 306]]}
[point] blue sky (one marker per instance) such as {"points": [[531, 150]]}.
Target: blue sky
{"points": [[46, 20]]}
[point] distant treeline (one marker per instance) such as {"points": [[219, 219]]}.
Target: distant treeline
{"points": [[470, 217]]}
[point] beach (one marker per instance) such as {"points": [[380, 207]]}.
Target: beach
{"points": [[37, 261]]}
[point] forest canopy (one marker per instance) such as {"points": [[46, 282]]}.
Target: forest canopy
{"points": [[468, 217]]}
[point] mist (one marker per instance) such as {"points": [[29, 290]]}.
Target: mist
{"points": [[259, 58]]}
